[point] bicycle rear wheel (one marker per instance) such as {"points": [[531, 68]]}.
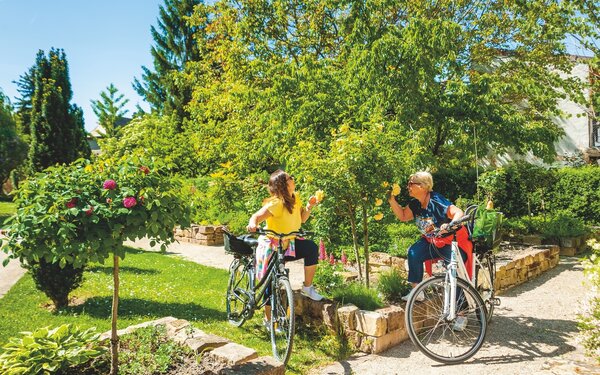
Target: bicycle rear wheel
{"points": [[237, 292], [485, 274], [436, 336], [282, 319]]}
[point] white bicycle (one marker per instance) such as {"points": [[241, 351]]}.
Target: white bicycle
{"points": [[450, 324]]}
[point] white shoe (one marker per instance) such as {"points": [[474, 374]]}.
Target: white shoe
{"points": [[420, 297], [310, 292], [460, 323], [267, 325]]}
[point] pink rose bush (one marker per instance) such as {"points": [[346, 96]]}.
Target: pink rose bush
{"points": [[129, 202]]}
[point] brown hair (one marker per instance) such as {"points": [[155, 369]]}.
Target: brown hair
{"points": [[278, 188]]}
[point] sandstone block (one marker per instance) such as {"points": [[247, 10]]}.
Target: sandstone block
{"points": [[568, 251], [258, 366], [347, 317], [205, 229], [378, 258], [373, 344], [233, 354], [394, 316], [370, 323], [330, 318], [174, 326]]}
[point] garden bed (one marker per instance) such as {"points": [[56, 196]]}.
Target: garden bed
{"points": [[378, 330]]}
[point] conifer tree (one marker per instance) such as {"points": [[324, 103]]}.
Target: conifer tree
{"points": [[174, 47], [54, 127], [12, 148], [109, 109]]}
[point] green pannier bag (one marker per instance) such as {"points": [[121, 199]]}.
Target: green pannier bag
{"points": [[487, 228]]}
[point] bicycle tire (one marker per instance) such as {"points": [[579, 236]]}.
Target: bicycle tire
{"points": [[237, 293], [433, 334], [485, 282], [282, 319]]}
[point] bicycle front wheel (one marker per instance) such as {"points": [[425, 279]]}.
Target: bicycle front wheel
{"points": [[439, 338], [237, 293], [282, 319], [485, 275]]}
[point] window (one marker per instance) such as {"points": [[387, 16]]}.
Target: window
{"points": [[595, 133]]}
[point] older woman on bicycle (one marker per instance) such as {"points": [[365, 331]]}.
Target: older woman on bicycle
{"points": [[431, 211]]}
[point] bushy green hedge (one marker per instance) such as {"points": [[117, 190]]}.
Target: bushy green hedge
{"points": [[523, 189], [578, 190]]}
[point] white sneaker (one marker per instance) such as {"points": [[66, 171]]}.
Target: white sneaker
{"points": [[310, 292], [420, 297], [267, 325], [460, 323]]}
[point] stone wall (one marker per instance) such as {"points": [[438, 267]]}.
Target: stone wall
{"points": [[217, 354], [379, 330], [209, 235]]}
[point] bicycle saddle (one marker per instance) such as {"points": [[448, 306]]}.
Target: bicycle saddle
{"points": [[249, 240]]}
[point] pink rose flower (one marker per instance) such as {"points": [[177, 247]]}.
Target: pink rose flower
{"points": [[110, 185], [129, 202], [109, 200], [72, 203], [145, 169]]}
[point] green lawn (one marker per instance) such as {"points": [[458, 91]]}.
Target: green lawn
{"points": [[6, 209], [154, 286]]}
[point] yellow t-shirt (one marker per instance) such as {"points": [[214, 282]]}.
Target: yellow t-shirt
{"points": [[282, 220]]}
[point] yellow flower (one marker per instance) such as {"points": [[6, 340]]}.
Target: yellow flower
{"points": [[378, 202], [395, 189], [88, 168], [319, 194], [385, 184], [378, 217], [344, 128]]}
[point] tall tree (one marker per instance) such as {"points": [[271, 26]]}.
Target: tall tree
{"points": [[12, 148], [175, 46], [54, 126], [109, 109]]}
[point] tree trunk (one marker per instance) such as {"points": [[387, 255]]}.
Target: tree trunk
{"points": [[355, 240], [114, 339], [366, 243]]}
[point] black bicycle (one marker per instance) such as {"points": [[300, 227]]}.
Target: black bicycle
{"points": [[245, 294]]}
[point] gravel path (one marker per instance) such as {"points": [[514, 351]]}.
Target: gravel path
{"points": [[532, 332]]}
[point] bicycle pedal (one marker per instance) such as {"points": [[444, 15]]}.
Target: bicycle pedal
{"points": [[494, 301]]}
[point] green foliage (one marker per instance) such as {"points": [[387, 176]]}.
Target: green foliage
{"points": [[148, 350], [359, 295], [165, 87], [393, 285], [12, 148], [109, 109], [328, 278], [589, 318], [525, 225], [55, 281], [49, 351], [564, 224], [402, 236], [7, 209], [577, 190], [53, 125], [519, 188], [71, 214]]}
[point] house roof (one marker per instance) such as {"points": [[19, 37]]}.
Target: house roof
{"points": [[99, 132]]}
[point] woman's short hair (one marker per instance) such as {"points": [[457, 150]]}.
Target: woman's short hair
{"points": [[423, 178]]}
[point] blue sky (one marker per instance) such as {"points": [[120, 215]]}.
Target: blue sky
{"points": [[105, 42]]}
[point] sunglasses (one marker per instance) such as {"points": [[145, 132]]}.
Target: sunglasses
{"points": [[410, 183]]}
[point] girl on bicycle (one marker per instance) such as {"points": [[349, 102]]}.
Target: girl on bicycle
{"points": [[430, 210], [284, 213]]}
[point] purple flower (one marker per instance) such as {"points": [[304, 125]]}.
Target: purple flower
{"points": [[344, 258], [322, 252], [129, 202], [110, 185], [331, 259]]}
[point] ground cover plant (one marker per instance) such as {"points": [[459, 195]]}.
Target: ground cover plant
{"points": [[154, 286], [7, 209]]}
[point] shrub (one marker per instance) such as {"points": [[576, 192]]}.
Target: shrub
{"points": [[49, 351], [519, 188], [577, 190], [393, 285], [402, 236], [589, 318], [328, 278], [56, 282], [149, 351], [359, 295], [564, 224]]}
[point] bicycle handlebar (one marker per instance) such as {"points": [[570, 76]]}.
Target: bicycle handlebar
{"points": [[299, 233], [452, 227]]}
